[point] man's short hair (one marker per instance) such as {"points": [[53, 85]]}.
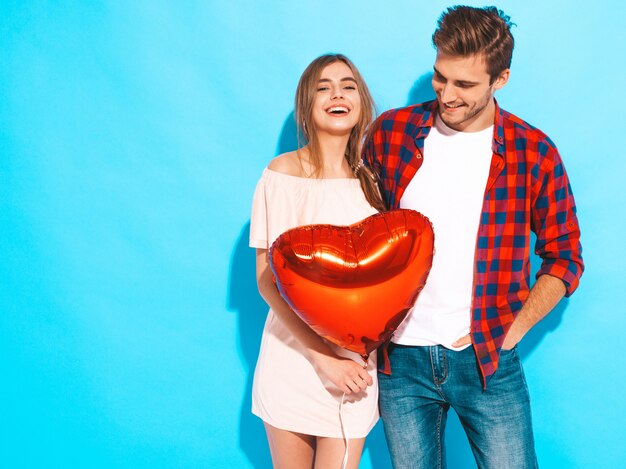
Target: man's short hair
{"points": [[465, 31]]}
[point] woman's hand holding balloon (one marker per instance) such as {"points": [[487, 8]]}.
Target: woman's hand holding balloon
{"points": [[317, 349], [344, 373]]}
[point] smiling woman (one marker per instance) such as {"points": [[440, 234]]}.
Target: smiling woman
{"points": [[300, 379], [332, 104], [337, 104]]}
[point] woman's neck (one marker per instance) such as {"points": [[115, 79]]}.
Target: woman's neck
{"points": [[332, 156]]}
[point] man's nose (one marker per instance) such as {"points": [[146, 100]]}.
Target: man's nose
{"points": [[448, 93]]}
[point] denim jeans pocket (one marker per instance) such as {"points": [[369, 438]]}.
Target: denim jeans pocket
{"points": [[510, 364], [508, 354]]}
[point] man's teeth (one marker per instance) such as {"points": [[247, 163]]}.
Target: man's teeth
{"points": [[453, 106]]}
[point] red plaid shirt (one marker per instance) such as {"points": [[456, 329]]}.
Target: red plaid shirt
{"points": [[527, 190]]}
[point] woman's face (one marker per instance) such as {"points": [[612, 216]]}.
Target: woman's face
{"points": [[337, 104]]}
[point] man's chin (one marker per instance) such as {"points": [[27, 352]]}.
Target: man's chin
{"points": [[454, 122]]}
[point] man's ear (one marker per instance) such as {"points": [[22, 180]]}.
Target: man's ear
{"points": [[502, 79]]}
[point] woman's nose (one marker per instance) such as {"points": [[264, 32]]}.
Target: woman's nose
{"points": [[337, 92]]}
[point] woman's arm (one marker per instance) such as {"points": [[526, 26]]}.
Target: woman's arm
{"points": [[346, 374]]}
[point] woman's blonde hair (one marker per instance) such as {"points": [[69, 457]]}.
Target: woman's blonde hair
{"points": [[307, 131]]}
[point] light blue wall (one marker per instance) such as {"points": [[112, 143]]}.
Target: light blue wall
{"points": [[132, 135]]}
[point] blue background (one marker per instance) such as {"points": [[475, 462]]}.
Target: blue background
{"points": [[132, 135]]}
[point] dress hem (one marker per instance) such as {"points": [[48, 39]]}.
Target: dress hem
{"points": [[312, 433]]}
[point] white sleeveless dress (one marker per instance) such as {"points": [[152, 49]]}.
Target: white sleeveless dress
{"points": [[287, 392]]}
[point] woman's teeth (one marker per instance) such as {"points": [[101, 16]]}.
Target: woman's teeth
{"points": [[338, 110]]}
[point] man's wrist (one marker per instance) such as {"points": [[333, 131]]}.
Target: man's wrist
{"points": [[513, 337]]}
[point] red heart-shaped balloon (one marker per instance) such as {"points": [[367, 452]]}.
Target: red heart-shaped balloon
{"points": [[354, 285]]}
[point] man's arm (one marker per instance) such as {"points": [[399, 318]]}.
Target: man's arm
{"points": [[542, 298], [554, 221], [558, 244]]}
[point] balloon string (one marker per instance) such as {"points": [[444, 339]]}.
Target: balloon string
{"points": [[344, 432]]}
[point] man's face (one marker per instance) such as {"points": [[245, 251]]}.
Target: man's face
{"points": [[464, 93]]}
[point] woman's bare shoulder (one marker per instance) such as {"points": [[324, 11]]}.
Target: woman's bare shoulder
{"points": [[287, 163]]}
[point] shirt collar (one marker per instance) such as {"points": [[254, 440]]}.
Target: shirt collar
{"points": [[427, 120], [498, 131]]}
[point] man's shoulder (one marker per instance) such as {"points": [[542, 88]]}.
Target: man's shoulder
{"points": [[522, 129], [412, 116]]}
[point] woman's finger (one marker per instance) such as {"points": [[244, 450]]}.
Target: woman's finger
{"points": [[365, 376]]}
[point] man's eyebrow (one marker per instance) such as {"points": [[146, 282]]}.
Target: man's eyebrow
{"points": [[460, 82]]}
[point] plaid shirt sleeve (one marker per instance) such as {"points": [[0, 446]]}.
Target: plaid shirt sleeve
{"points": [[554, 220], [382, 156], [391, 149]]}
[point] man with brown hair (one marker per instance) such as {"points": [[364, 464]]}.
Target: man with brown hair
{"points": [[486, 179]]}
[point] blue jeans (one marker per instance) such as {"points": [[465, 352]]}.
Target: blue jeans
{"points": [[427, 381]]}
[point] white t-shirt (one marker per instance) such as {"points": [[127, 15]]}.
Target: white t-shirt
{"points": [[449, 189]]}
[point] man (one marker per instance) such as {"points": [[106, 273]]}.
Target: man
{"points": [[485, 179]]}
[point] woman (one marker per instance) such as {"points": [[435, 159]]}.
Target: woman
{"points": [[300, 379]]}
